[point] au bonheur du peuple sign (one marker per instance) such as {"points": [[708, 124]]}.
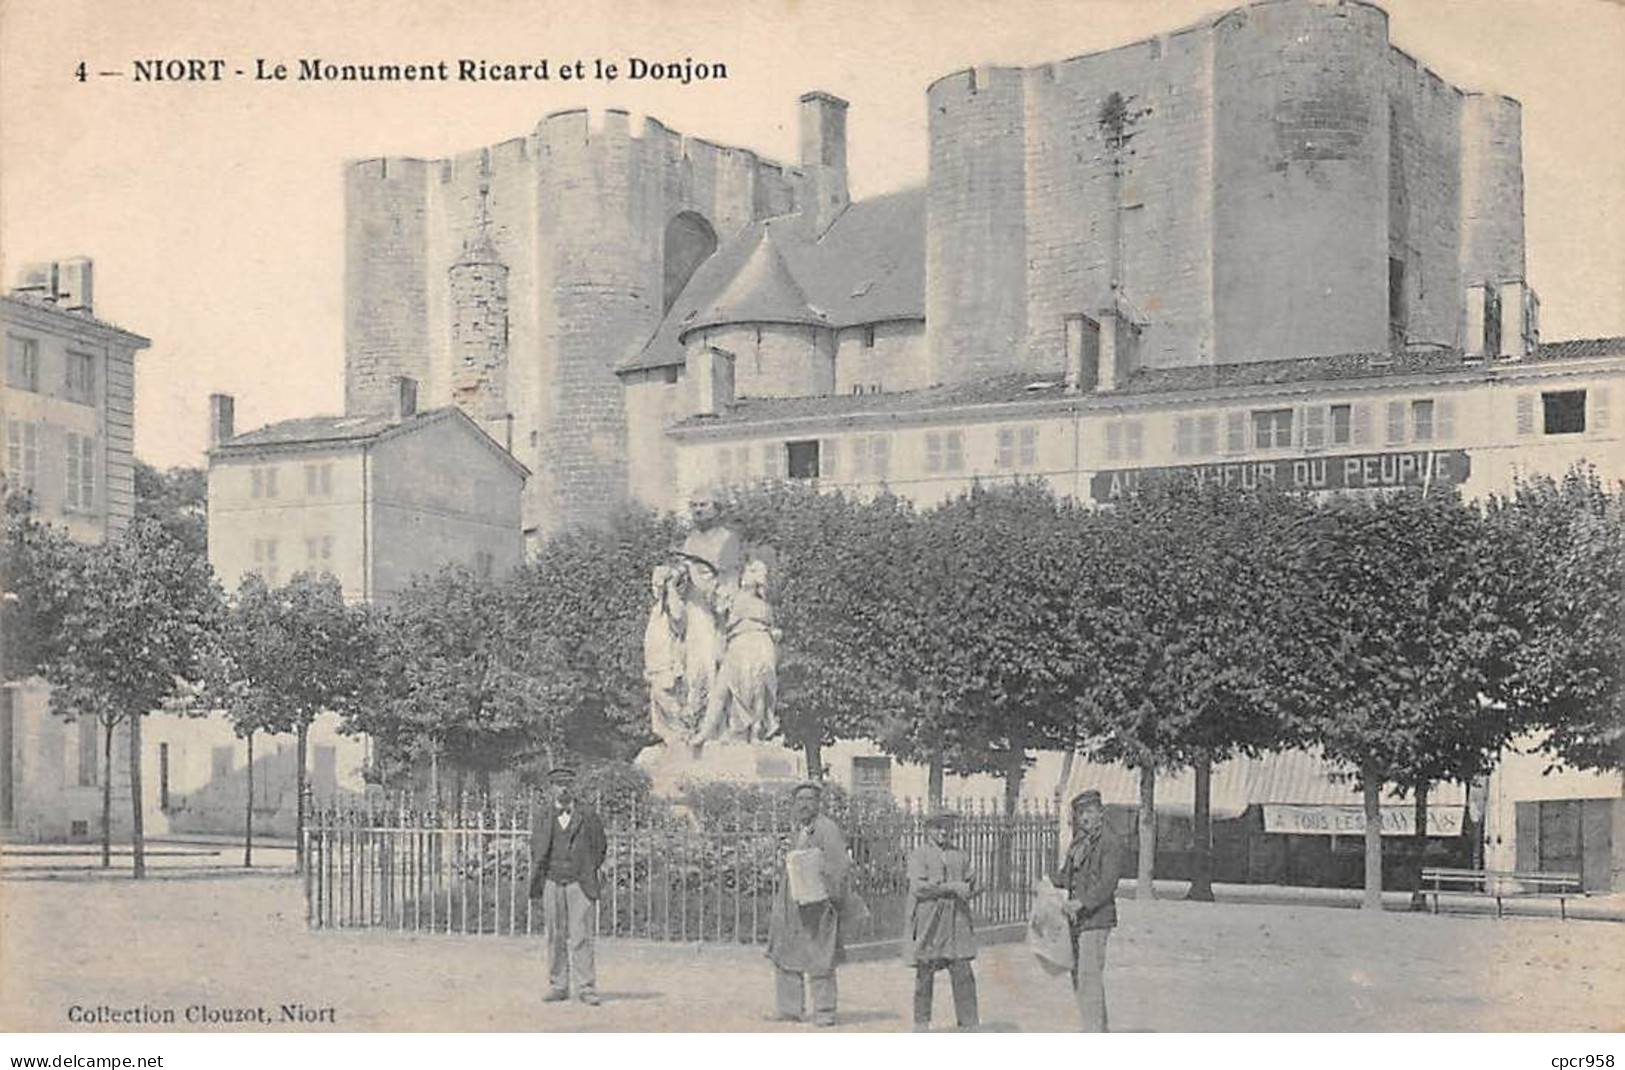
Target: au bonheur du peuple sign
{"points": [[1352, 471]]}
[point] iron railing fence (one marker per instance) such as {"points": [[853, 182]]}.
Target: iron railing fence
{"points": [[669, 874]]}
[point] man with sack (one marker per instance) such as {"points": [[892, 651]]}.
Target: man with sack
{"points": [[940, 934], [1089, 875], [804, 928], [567, 848]]}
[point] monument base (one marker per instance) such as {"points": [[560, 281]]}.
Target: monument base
{"points": [[744, 763]]}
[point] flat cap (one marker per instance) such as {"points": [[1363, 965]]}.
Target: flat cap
{"points": [[808, 785], [561, 774], [1091, 797], [941, 818]]}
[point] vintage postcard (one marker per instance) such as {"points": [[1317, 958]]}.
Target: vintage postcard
{"points": [[688, 517]]}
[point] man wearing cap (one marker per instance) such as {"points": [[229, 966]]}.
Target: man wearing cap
{"points": [[567, 848], [1089, 874], [940, 934], [804, 938]]}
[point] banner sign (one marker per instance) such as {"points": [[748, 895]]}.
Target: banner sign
{"points": [[1353, 471], [1337, 820]]}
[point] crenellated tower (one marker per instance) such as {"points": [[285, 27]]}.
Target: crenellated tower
{"points": [[511, 280]]}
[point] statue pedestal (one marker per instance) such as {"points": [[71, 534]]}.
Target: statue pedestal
{"points": [[744, 763]]}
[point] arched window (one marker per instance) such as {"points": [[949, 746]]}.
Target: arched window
{"points": [[689, 240]]}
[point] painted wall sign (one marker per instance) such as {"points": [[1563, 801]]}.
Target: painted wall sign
{"points": [[1354, 471], [1337, 820]]}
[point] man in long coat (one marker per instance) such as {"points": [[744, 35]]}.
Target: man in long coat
{"points": [[940, 934], [804, 939], [567, 848]]}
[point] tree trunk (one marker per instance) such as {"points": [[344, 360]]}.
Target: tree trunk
{"points": [[107, 794], [1202, 830], [299, 791], [1148, 833], [1419, 899], [483, 780], [138, 841], [1064, 779], [248, 825], [933, 782], [1014, 773], [434, 773], [1372, 783]]}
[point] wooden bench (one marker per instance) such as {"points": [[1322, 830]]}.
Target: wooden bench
{"points": [[1503, 884]]}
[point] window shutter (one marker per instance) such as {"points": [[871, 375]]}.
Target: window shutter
{"points": [[860, 456], [1235, 432], [828, 457], [1114, 441], [724, 466], [1361, 421], [1598, 419], [1444, 419], [880, 454], [933, 452], [1133, 439], [1396, 422], [771, 455], [1314, 426], [1526, 414]]}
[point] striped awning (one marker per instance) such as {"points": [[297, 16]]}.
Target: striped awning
{"points": [[1299, 777]]}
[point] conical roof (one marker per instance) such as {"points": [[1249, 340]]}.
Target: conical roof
{"points": [[763, 291]]}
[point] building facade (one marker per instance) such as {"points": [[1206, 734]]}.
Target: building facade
{"points": [[67, 419], [373, 501]]}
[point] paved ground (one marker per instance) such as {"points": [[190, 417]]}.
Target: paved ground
{"points": [[1172, 966]]}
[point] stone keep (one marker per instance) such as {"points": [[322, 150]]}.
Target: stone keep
{"points": [[1276, 182], [512, 279]]}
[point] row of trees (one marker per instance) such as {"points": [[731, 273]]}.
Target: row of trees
{"points": [[1408, 636]]}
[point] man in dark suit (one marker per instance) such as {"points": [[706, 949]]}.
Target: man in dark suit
{"points": [[567, 848]]}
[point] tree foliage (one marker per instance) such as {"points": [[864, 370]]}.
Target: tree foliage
{"points": [[1563, 551]]}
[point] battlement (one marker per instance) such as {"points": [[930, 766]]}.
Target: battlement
{"points": [[565, 131], [387, 168]]}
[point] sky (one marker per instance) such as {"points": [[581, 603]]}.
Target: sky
{"points": [[214, 211]]}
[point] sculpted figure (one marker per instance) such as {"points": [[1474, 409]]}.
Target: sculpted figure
{"points": [[663, 656], [711, 558], [744, 698]]}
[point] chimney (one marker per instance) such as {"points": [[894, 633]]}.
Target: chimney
{"points": [[823, 160], [73, 285], [403, 397], [38, 281], [1520, 316], [1082, 354], [714, 385], [221, 417], [1475, 321], [1119, 349]]}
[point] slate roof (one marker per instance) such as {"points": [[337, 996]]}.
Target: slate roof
{"points": [[1040, 386], [350, 430], [868, 267]]}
